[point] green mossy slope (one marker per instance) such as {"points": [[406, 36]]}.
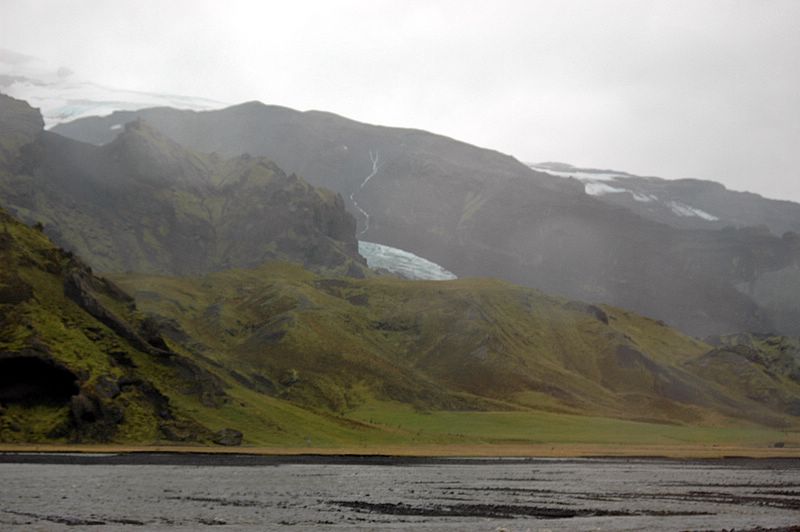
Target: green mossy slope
{"points": [[339, 345], [290, 358], [79, 363]]}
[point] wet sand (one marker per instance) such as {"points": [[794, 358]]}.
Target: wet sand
{"points": [[175, 491]]}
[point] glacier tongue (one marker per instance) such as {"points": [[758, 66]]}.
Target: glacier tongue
{"points": [[402, 262]]}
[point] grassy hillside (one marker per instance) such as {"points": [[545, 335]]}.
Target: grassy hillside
{"points": [[292, 359], [78, 362], [73, 356], [395, 353]]}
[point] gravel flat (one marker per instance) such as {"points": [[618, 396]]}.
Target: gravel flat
{"points": [[240, 492]]}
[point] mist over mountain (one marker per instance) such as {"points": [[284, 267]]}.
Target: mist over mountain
{"points": [[62, 96], [144, 203], [477, 212]]}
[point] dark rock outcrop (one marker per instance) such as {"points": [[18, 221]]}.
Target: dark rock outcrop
{"points": [[228, 437], [77, 287], [592, 310]]}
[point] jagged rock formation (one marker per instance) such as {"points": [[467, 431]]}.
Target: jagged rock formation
{"points": [[77, 362], [144, 203]]}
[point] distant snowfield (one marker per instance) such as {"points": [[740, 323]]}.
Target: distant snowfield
{"points": [[604, 183], [61, 97], [402, 262], [580, 175]]}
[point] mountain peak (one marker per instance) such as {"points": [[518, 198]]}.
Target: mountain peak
{"points": [[153, 156], [20, 124], [140, 131]]}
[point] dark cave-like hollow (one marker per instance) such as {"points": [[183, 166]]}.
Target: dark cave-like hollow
{"points": [[34, 380]]}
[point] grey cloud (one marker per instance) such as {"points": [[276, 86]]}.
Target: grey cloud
{"points": [[706, 89]]}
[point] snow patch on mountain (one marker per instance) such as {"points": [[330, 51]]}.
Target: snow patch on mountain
{"points": [[402, 262], [582, 175], [681, 209], [643, 198], [604, 182], [601, 189]]}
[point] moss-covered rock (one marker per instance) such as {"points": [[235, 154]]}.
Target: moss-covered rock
{"points": [[77, 360]]}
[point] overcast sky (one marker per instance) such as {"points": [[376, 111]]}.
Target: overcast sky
{"points": [[707, 89]]}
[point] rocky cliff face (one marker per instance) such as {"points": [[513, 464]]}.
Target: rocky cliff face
{"points": [[144, 203], [77, 362]]}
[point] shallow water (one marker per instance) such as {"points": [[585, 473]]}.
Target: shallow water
{"points": [[312, 493]]}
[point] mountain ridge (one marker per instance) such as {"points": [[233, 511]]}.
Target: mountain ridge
{"points": [[479, 213], [642, 193], [145, 203]]}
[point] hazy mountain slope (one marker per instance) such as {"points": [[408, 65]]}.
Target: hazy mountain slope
{"points": [[478, 212], [144, 203], [684, 203], [420, 181], [459, 345], [696, 280]]}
